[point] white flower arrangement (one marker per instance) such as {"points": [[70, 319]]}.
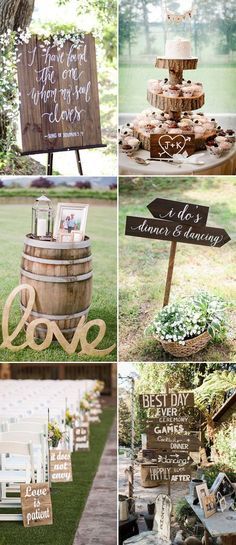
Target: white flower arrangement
{"points": [[189, 318]]}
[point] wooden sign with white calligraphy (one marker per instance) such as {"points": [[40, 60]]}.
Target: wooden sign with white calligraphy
{"points": [[168, 459], [165, 145], [161, 524], [81, 438], [177, 232], [36, 505], [60, 466], [176, 474], [59, 95], [167, 401], [172, 442], [186, 213], [190, 228]]}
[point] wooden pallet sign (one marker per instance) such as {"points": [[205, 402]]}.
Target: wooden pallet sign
{"points": [[81, 438], [60, 466], [173, 442], [168, 459], [167, 403], [59, 95], [164, 146], [158, 473], [36, 505], [176, 222]]}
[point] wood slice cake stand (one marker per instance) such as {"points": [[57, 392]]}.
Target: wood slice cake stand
{"points": [[175, 105]]}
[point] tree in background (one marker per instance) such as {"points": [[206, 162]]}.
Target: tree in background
{"points": [[15, 14], [226, 23], [124, 421], [128, 27], [106, 15]]}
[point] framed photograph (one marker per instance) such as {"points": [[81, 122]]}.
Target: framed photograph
{"points": [[202, 492], [70, 222], [222, 504], [209, 505], [223, 485]]}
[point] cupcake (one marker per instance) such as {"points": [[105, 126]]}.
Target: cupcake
{"points": [[159, 130], [230, 134], [187, 91], [197, 89], [199, 130], [132, 142], [173, 91], [175, 130], [225, 146], [214, 148]]}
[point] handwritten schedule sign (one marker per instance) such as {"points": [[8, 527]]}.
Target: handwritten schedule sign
{"points": [[36, 505], [60, 466], [59, 95]]}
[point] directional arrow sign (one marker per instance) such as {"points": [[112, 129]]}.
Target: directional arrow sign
{"points": [[175, 232], [190, 214], [168, 459], [172, 442]]}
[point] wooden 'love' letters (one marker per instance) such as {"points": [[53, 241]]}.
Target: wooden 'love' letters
{"points": [[80, 335]]}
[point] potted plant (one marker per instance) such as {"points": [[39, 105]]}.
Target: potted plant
{"points": [[185, 327]]}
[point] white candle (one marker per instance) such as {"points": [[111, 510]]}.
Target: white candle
{"points": [[41, 228]]}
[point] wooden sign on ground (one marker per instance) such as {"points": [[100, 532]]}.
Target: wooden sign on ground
{"points": [[36, 505], [59, 95], [81, 438], [177, 222], [60, 466]]}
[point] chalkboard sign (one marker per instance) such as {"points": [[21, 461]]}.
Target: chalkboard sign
{"points": [[60, 466], [36, 505], [58, 87]]}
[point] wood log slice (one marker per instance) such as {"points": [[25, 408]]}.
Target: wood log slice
{"points": [[176, 67], [175, 104]]}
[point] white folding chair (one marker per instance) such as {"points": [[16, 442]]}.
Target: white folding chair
{"points": [[14, 476]]}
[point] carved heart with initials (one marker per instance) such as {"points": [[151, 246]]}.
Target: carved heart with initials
{"points": [[172, 144]]}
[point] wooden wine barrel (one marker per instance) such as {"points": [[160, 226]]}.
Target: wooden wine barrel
{"points": [[61, 274]]}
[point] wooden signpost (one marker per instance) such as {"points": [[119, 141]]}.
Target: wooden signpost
{"points": [[166, 145], [60, 466], [169, 437], [81, 438], [59, 96], [36, 505], [176, 222]]}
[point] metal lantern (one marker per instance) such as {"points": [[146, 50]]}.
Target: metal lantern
{"points": [[42, 217]]}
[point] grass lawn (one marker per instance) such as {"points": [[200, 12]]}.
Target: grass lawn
{"points": [[68, 499], [15, 221], [143, 264], [219, 83]]}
